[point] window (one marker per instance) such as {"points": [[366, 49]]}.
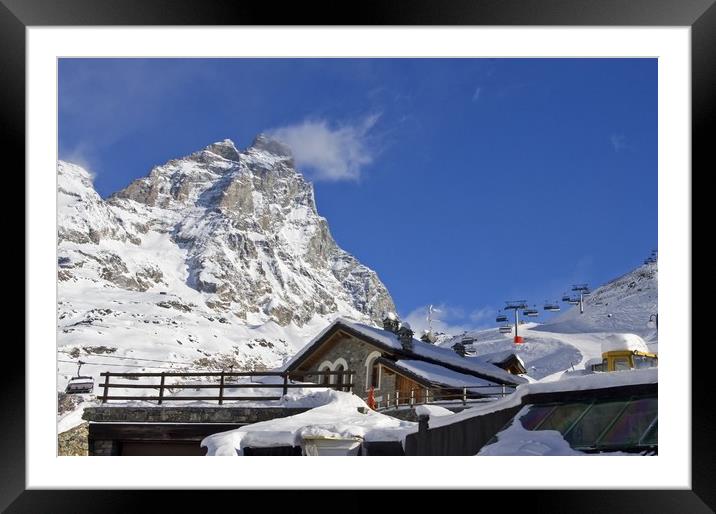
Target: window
{"points": [[621, 363], [373, 371], [588, 429], [563, 416], [324, 379], [375, 375], [339, 377], [535, 415], [631, 424], [628, 424], [651, 436], [644, 361]]}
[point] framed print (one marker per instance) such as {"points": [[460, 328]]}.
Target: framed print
{"points": [[245, 197]]}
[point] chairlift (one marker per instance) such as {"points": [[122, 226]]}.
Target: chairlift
{"points": [[530, 312], [505, 329], [79, 384], [566, 298], [501, 318], [551, 307]]}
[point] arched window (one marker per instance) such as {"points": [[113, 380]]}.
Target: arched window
{"points": [[339, 377], [324, 379], [375, 375], [372, 371]]}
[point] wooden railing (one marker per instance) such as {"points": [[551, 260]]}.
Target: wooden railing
{"points": [[442, 395], [224, 382]]}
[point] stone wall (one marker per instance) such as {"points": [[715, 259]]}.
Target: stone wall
{"points": [[73, 442], [355, 352], [211, 414]]}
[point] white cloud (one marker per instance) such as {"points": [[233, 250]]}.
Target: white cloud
{"points": [[329, 152], [449, 319], [482, 315], [81, 155], [476, 94]]}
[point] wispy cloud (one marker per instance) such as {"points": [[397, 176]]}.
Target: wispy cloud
{"points": [[82, 155], [618, 141], [476, 94], [449, 319], [330, 151], [481, 315]]}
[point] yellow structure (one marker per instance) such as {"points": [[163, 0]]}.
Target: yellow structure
{"points": [[625, 351], [618, 360]]}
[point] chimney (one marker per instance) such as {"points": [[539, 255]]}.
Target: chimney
{"points": [[391, 323], [405, 336]]}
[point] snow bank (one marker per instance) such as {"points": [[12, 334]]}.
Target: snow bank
{"points": [[516, 440], [432, 411], [631, 342], [340, 418]]}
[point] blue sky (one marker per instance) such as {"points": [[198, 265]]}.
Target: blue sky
{"points": [[462, 182]]}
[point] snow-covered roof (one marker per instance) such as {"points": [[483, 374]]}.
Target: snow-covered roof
{"points": [[420, 350], [498, 357], [339, 418], [576, 383], [631, 342], [440, 375]]}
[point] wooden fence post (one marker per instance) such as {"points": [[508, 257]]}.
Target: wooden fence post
{"points": [[161, 389], [397, 399], [426, 399], [285, 383], [106, 387], [221, 388], [350, 383], [412, 397], [464, 395]]}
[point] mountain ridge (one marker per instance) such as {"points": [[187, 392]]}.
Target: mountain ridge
{"points": [[220, 254]]}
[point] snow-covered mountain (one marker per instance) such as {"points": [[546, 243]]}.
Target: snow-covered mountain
{"points": [[219, 256], [623, 305]]}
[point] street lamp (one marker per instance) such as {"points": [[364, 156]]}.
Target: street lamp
{"points": [[655, 319]]}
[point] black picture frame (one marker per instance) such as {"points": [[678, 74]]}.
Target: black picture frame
{"points": [[700, 15]]}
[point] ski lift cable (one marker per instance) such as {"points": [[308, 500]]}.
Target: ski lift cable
{"points": [[116, 365], [136, 359]]}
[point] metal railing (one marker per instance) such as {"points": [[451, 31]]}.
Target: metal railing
{"points": [[224, 380], [442, 395]]}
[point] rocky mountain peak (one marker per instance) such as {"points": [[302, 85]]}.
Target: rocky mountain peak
{"points": [[245, 228], [225, 149], [266, 143]]}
